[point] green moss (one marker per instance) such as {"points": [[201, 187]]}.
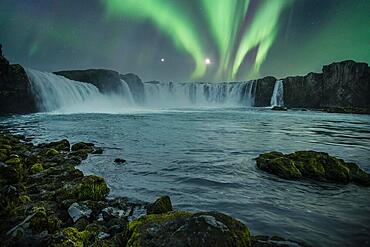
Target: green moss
{"points": [[357, 175], [6, 147], [51, 152], [92, 188], [88, 188], [161, 205], [36, 168], [13, 161], [24, 199], [42, 220], [70, 236], [3, 157], [158, 218], [279, 165]]}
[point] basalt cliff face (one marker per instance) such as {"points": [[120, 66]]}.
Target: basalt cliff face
{"points": [[15, 89], [341, 87]]}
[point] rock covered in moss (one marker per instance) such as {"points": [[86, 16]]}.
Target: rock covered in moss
{"points": [[36, 168], [87, 188], [83, 146], [62, 145], [187, 229], [314, 165], [160, 206]]}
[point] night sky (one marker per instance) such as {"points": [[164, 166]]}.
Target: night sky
{"points": [[186, 40]]}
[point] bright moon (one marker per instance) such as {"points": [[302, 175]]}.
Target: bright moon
{"points": [[207, 61], [162, 60]]}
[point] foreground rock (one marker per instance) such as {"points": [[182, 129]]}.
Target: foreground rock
{"points": [[313, 165], [46, 201]]}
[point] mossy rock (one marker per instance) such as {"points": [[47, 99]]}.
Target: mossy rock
{"points": [[70, 236], [160, 206], [187, 229], [314, 165], [357, 175], [43, 219], [36, 168], [51, 152], [88, 188], [11, 198], [62, 145], [279, 165], [88, 147]]}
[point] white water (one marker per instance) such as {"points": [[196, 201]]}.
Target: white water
{"points": [[200, 94], [277, 98], [58, 94]]}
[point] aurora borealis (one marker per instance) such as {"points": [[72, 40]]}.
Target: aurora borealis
{"points": [[242, 39]]}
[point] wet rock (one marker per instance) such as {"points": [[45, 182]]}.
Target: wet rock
{"points": [[160, 206], [77, 211], [187, 229], [274, 241], [51, 152], [36, 168], [98, 151], [88, 188], [88, 147], [62, 145], [119, 161], [8, 174], [314, 165], [279, 108]]}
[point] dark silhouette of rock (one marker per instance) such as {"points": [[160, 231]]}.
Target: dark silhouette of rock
{"points": [[15, 91], [264, 90], [341, 87], [106, 81], [119, 161], [160, 206], [303, 91]]}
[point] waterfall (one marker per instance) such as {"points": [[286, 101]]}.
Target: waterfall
{"points": [[57, 93], [54, 93], [277, 98], [171, 94]]}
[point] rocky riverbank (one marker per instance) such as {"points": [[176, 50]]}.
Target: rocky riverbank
{"points": [[47, 201]]}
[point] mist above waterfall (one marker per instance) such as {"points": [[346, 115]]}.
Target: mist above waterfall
{"points": [[55, 93]]}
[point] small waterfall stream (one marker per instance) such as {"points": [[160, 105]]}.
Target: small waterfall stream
{"points": [[277, 98]]}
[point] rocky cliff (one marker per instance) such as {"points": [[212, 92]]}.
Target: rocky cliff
{"points": [[15, 90], [340, 85], [105, 80]]}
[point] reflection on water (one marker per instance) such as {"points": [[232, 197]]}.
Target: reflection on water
{"points": [[203, 159]]}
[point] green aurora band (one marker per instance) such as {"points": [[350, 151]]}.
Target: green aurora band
{"points": [[260, 34], [225, 18], [169, 18]]}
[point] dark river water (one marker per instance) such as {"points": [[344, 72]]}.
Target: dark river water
{"points": [[203, 159]]}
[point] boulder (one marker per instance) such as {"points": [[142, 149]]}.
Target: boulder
{"points": [[188, 229], [160, 206], [313, 165]]}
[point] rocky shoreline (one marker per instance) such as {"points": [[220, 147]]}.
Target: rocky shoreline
{"points": [[47, 201]]}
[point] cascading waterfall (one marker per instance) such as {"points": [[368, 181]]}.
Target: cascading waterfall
{"points": [[277, 98], [56, 93], [200, 94]]}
